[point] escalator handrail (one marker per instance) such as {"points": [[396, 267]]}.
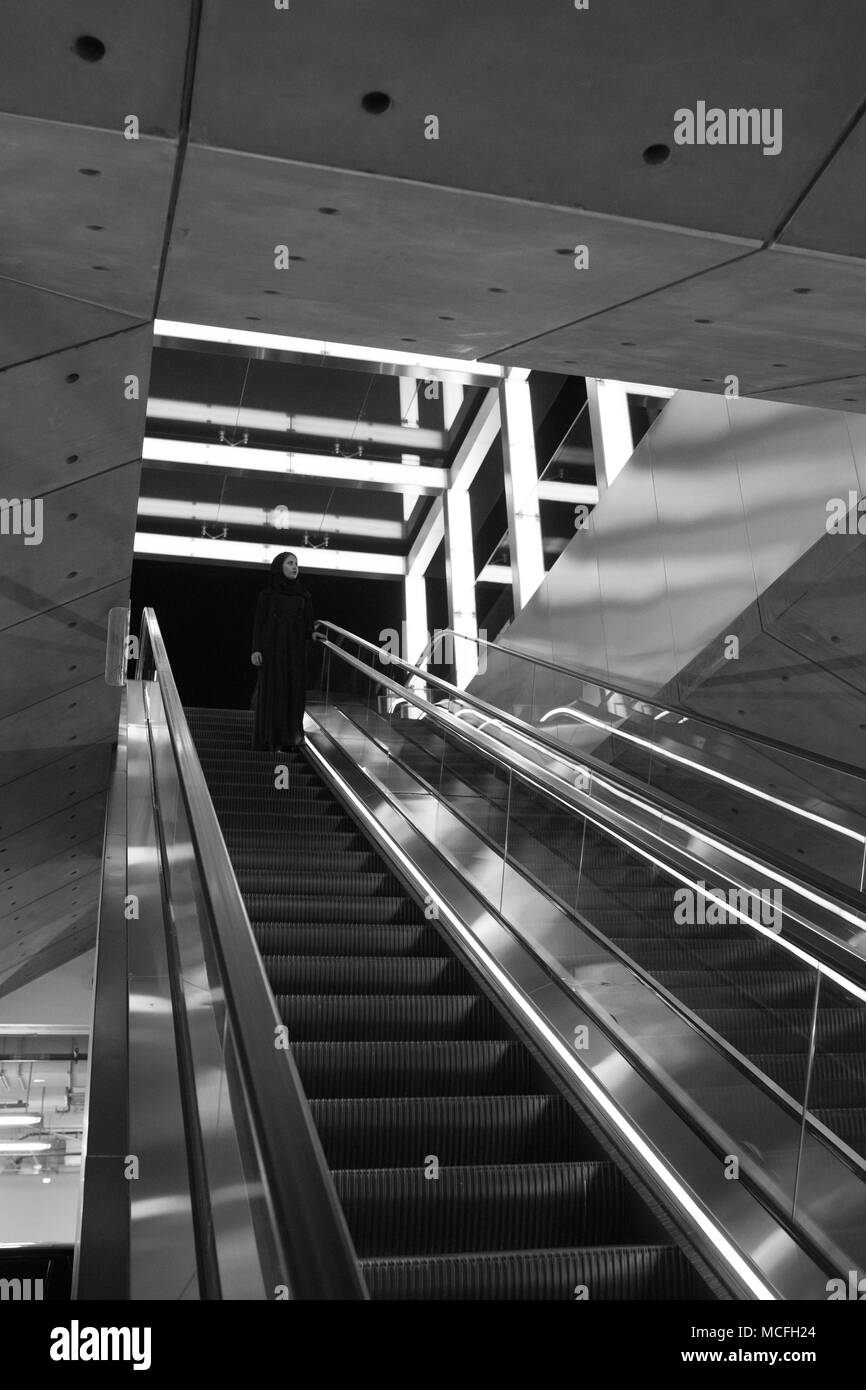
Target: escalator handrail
{"points": [[837, 901], [614, 774], [308, 1225], [777, 745]]}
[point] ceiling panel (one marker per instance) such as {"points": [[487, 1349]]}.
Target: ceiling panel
{"points": [[41, 794], [72, 829], [57, 649], [538, 101], [46, 235], [141, 71], [831, 217], [88, 530], [400, 263], [36, 322], [85, 425], [45, 731], [68, 912], [761, 328]]}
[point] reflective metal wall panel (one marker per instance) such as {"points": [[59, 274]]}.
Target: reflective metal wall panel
{"points": [[790, 461], [702, 531], [717, 525]]}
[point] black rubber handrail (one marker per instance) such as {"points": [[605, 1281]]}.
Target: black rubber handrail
{"points": [[732, 730], [308, 1226]]}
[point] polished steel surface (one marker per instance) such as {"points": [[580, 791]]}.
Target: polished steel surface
{"points": [[101, 1263], [520, 956], [719, 499], [825, 923], [162, 1240], [268, 1188], [735, 1106]]}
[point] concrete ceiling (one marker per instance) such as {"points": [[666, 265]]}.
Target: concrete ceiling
{"points": [[250, 123], [80, 254]]}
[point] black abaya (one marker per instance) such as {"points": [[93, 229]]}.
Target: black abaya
{"points": [[284, 621]]}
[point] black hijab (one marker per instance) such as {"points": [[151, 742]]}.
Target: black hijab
{"points": [[279, 583]]}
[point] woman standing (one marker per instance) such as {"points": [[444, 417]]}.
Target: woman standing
{"points": [[284, 621]]}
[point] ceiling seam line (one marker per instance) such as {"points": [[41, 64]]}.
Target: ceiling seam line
{"points": [[622, 304], [74, 347], [788, 217], [194, 35]]}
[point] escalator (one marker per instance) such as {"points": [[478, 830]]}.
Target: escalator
{"points": [[751, 992], [462, 1170]]}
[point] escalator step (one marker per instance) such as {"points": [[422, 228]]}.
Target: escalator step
{"points": [[345, 861], [410, 1211], [657, 1272], [286, 907], [365, 974], [712, 955], [838, 1080], [787, 1030], [400, 1131], [275, 882], [468, 1067], [241, 839], [766, 990], [395, 1017], [345, 939]]}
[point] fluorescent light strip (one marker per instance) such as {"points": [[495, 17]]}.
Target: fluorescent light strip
{"points": [[252, 553], [279, 422], [205, 333], [279, 519], [334, 469], [580, 1074], [579, 717]]}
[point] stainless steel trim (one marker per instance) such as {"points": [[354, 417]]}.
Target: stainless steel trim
{"points": [[394, 815], [309, 1230], [825, 928], [831, 920], [740, 735], [101, 1262]]}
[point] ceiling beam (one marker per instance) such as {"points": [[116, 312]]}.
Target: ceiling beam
{"points": [[256, 555], [379, 473], [279, 422], [273, 347]]}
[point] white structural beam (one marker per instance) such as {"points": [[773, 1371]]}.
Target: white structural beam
{"points": [[553, 491], [640, 388], [226, 552], [468, 460], [460, 581], [330, 354], [521, 488], [414, 585], [279, 518], [372, 472], [279, 422], [612, 441], [495, 574]]}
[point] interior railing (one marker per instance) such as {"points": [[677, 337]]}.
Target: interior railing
{"points": [[247, 1169], [552, 819], [802, 805]]}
